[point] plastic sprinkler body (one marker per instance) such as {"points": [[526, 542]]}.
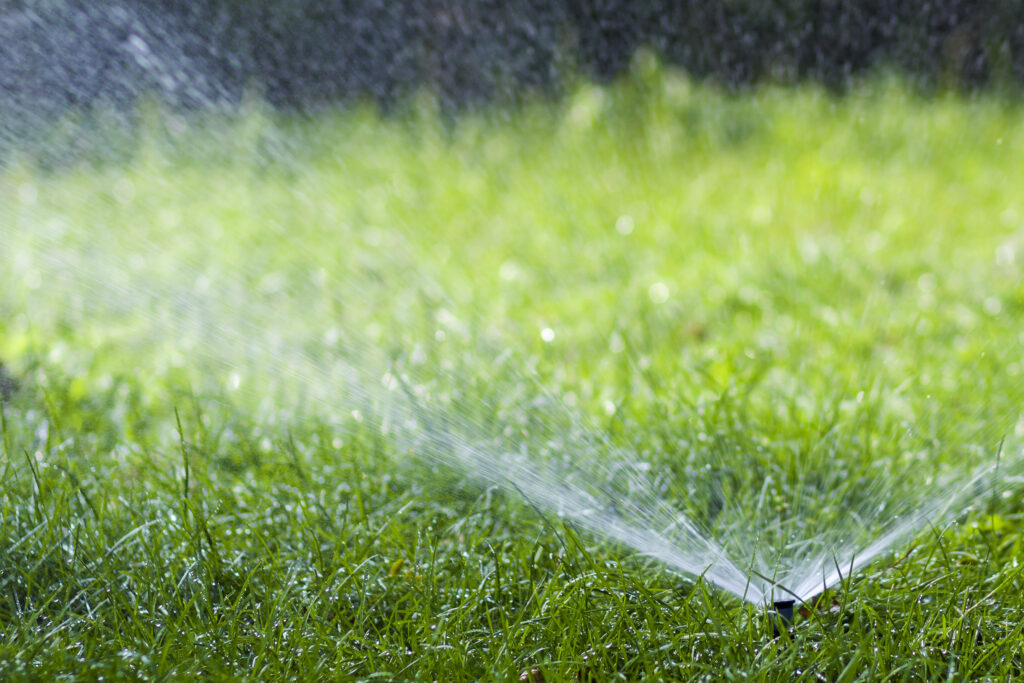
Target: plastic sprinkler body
{"points": [[782, 617]]}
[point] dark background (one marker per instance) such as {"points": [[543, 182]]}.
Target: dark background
{"points": [[307, 53]]}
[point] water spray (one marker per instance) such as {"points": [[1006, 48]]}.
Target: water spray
{"points": [[198, 284]]}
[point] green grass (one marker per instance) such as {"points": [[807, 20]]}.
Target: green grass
{"points": [[780, 283]]}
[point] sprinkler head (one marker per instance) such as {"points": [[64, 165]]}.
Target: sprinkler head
{"points": [[782, 616]]}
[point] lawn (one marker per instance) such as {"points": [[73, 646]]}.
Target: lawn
{"points": [[789, 314]]}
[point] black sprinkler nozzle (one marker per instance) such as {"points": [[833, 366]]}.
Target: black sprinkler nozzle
{"points": [[782, 617]]}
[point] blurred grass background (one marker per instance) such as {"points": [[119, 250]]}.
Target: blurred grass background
{"points": [[845, 241], [776, 276]]}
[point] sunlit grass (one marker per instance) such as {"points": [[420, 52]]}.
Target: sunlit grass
{"points": [[781, 277]]}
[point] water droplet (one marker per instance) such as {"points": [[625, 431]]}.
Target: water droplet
{"points": [[1006, 255], [761, 214], [624, 226], [616, 344], [658, 292], [510, 271]]}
